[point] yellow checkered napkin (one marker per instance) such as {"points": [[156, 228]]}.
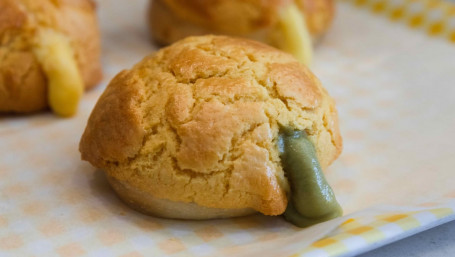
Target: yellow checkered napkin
{"points": [[369, 230], [395, 96], [434, 17]]}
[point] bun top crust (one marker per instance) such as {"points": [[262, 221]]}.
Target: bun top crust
{"points": [[19, 21], [20, 71], [198, 122], [241, 17]]}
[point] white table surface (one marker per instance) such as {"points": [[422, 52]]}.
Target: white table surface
{"points": [[435, 242]]}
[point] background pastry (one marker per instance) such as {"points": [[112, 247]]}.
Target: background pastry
{"points": [[192, 131], [287, 24], [49, 52]]}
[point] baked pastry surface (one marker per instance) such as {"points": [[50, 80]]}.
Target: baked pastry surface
{"points": [[23, 81], [197, 123], [172, 20]]}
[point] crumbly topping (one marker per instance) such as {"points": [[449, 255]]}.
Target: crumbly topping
{"points": [[198, 122], [22, 81]]}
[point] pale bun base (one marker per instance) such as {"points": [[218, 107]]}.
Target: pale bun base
{"points": [[151, 205]]}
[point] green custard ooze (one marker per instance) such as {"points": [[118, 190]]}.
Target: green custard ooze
{"points": [[311, 200]]}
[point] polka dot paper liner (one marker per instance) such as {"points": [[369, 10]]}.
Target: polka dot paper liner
{"points": [[434, 17], [393, 86]]}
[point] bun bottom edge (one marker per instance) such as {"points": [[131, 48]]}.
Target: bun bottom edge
{"points": [[150, 205]]}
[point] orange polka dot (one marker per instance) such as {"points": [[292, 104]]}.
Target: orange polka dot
{"points": [[360, 113], [209, 233], [350, 158], [15, 190], [324, 242], [37, 161], [90, 215], [397, 13], [379, 6], [362, 92], [386, 103], [433, 4], [428, 204], [11, 242], [360, 230], [436, 28], [348, 221], [69, 150], [149, 225], [71, 250], [268, 236], [378, 147], [416, 21], [382, 124], [451, 194], [374, 173], [232, 251], [172, 245], [132, 254], [73, 197], [111, 237], [19, 145], [41, 121], [344, 185], [34, 208], [53, 178], [394, 218], [52, 228], [452, 37], [4, 171], [3, 221], [54, 134], [340, 101]]}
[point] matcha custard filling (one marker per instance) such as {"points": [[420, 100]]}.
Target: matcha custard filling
{"points": [[311, 199]]}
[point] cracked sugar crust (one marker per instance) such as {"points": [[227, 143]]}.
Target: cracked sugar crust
{"points": [[23, 84], [171, 20], [198, 122]]}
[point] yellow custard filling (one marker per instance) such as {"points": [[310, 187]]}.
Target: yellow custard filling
{"points": [[292, 34], [65, 86]]}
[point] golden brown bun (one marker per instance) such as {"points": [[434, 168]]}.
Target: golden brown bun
{"points": [[197, 122], [23, 84], [172, 20]]}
